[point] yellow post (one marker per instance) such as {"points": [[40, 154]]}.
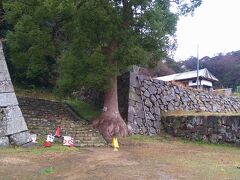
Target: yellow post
{"points": [[115, 144]]}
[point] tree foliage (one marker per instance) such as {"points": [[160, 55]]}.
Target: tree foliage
{"points": [[33, 44], [88, 40]]}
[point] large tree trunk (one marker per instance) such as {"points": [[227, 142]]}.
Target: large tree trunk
{"points": [[110, 123]]}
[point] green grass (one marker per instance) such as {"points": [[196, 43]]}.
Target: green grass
{"points": [[193, 113], [237, 94], [83, 109], [36, 92], [48, 170], [168, 138], [143, 138], [39, 149]]}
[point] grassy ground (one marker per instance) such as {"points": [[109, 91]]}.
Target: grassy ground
{"points": [[236, 94], [33, 93], [194, 113], [139, 157], [83, 109]]}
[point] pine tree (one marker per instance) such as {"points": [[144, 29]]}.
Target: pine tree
{"points": [[95, 40]]}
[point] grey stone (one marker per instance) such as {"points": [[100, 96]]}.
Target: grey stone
{"points": [[130, 117], [222, 130], [170, 107], [4, 76], [150, 116], [139, 121], [177, 91], [4, 142], [146, 93], [131, 102], [152, 110], [8, 99], [156, 124], [164, 93], [168, 98], [153, 98], [213, 138], [6, 86], [156, 103], [134, 96], [131, 110], [152, 131], [12, 112], [159, 90], [1, 114], [133, 80], [148, 103], [197, 121], [3, 65], [140, 114], [21, 138], [189, 126], [152, 90], [162, 107], [157, 111], [215, 108], [164, 102], [185, 99], [16, 125], [31, 144], [148, 82], [3, 126]]}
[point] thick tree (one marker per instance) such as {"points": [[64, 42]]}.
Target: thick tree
{"points": [[99, 39], [109, 36]]}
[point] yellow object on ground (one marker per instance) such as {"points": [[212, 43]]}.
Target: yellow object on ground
{"points": [[115, 144]]}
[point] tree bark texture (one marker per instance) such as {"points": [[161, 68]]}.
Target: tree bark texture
{"points": [[110, 123]]}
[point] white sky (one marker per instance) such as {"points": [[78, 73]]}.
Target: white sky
{"points": [[215, 26]]}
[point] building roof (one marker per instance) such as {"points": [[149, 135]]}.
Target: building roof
{"points": [[204, 73]]}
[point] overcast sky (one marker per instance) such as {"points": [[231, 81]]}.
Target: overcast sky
{"points": [[215, 26]]}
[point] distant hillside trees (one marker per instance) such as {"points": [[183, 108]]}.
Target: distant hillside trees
{"points": [[225, 67]]}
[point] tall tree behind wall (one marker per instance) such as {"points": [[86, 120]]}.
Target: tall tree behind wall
{"points": [[98, 39]]}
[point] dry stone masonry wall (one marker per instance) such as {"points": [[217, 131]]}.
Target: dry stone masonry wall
{"points": [[149, 97], [13, 128], [214, 129]]}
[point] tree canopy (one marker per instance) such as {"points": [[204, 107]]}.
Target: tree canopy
{"points": [[85, 42], [89, 42]]}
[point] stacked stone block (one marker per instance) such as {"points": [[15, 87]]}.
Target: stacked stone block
{"points": [[13, 127], [214, 129], [149, 97], [43, 117]]}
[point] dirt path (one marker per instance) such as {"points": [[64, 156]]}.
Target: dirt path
{"points": [[150, 160], [88, 163]]}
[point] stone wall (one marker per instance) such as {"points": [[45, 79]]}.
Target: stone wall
{"points": [[13, 127], [215, 129], [44, 116], [4, 141], [147, 98]]}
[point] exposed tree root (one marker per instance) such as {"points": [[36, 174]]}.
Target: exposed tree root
{"points": [[111, 126]]}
